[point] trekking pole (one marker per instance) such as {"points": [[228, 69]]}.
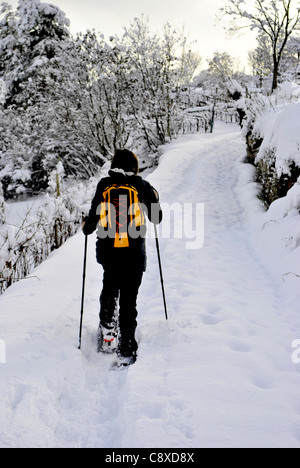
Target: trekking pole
{"points": [[161, 273], [83, 290]]}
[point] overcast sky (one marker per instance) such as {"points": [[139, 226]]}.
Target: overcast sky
{"points": [[197, 16]]}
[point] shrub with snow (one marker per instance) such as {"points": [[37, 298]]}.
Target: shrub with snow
{"points": [[281, 133], [273, 138], [25, 246]]}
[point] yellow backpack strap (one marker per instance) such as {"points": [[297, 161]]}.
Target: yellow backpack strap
{"points": [[105, 211], [138, 214], [103, 221]]}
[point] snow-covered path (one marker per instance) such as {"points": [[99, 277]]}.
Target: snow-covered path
{"points": [[219, 374]]}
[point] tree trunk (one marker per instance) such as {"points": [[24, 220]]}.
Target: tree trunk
{"points": [[275, 74]]}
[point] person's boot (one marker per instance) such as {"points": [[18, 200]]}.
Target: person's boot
{"points": [[127, 350]]}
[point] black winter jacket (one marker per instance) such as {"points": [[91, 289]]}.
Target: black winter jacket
{"points": [[133, 256]]}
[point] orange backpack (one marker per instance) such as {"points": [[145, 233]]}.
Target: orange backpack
{"points": [[121, 214]]}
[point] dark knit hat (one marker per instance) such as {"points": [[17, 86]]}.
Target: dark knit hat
{"points": [[125, 160]]}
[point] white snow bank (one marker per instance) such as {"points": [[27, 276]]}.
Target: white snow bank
{"points": [[280, 129], [275, 237], [287, 206], [288, 91]]}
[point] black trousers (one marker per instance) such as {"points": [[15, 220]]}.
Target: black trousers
{"points": [[120, 284]]}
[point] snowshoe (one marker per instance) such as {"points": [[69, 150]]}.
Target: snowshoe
{"points": [[107, 340], [127, 350], [123, 362]]}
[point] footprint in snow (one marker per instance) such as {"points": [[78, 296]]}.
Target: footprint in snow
{"points": [[210, 320], [18, 395], [263, 382], [239, 346]]}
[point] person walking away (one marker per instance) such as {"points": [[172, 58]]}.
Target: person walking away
{"points": [[118, 212]]}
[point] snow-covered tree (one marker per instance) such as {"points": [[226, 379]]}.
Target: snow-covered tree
{"points": [[33, 43], [76, 100], [92, 107], [8, 38], [221, 67], [159, 67], [30, 49], [276, 19], [290, 63], [260, 58]]}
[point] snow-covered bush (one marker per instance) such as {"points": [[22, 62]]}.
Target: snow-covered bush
{"points": [[235, 89], [20, 250], [279, 152], [55, 181], [2, 206], [282, 132], [26, 246], [280, 149], [272, 131], [273, 139], [267, 177]]}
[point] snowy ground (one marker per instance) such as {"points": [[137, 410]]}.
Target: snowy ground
{"points": [[219, 374]]}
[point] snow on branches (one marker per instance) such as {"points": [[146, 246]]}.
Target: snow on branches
{"points": [[272, 134], [79, 99], [276, 20]]}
